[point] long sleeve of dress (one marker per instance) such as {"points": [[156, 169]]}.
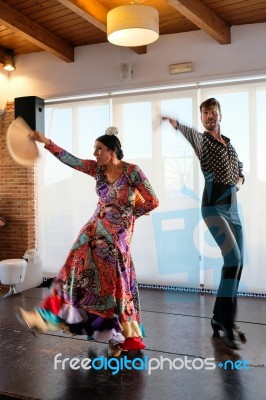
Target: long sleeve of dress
{"points": [[146, 197], [86, 166]]}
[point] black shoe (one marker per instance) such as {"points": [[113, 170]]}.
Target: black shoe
{"points": [[216, 326], [241, 335], [230, 340]]}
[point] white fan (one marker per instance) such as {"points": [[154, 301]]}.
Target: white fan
{"points": [[21, 147]]}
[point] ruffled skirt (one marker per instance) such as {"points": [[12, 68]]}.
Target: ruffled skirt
{"points": [[96, 293]]}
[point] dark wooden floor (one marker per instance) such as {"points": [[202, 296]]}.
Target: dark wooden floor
{"points": [[178, 334]]}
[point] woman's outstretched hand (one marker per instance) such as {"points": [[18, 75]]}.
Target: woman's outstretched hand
{"points": [[172, 121], [39, 137]]}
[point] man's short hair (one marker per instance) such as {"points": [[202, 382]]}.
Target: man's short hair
{"points": [[210, 103]]}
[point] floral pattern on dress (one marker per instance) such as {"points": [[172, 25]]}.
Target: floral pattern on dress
{"points": [[99, 275]]}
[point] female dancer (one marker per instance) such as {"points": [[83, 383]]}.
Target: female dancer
{"points": [[96, 291]]}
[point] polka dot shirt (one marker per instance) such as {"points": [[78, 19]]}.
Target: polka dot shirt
{"points": [[219, 163]]}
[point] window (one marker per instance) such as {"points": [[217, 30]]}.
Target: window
{"points": [[172, 245]]}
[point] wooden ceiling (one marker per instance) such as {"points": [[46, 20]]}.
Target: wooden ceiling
{"points": [[58, 26]]}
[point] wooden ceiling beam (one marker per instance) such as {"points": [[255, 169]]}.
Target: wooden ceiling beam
{"points": [[92, 11], [35, 33], [206, 19], [95, 13], [139, 49]]}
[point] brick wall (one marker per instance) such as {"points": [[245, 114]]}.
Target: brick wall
{"points": [[17, 199]]}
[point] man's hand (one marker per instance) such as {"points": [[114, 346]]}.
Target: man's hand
{"points": [[172, 121], [239, 183]]}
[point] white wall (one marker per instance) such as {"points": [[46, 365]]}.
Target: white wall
{"points": [[96, 67]]}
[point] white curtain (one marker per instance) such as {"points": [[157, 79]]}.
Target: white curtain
{"points": [[171, 246]]}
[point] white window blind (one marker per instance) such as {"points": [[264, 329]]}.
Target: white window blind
{"points": [[171, 246]]}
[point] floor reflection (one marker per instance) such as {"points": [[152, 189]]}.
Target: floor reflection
{"points": [[228, 362], [108, 375]]}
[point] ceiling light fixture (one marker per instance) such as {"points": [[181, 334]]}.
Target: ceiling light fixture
{"points": [[132, 25], [7, 59]]}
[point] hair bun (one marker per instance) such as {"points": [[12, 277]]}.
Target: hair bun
{"points": [[111, 131]]}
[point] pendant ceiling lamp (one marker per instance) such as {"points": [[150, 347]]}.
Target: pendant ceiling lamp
{"points": [[7, 59], [132, 25]]}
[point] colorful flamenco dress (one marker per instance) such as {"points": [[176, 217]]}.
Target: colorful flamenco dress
{"points": [[96, 291]]}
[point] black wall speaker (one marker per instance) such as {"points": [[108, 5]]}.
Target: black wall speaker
{"points": [[31, 109]]}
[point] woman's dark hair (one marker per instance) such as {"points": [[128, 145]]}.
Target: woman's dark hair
{"points": [[210, 103], [112, 142]]}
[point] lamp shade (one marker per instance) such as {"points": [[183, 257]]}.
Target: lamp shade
{"points": [[7, 59], [132, 25], [9, 65]]}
